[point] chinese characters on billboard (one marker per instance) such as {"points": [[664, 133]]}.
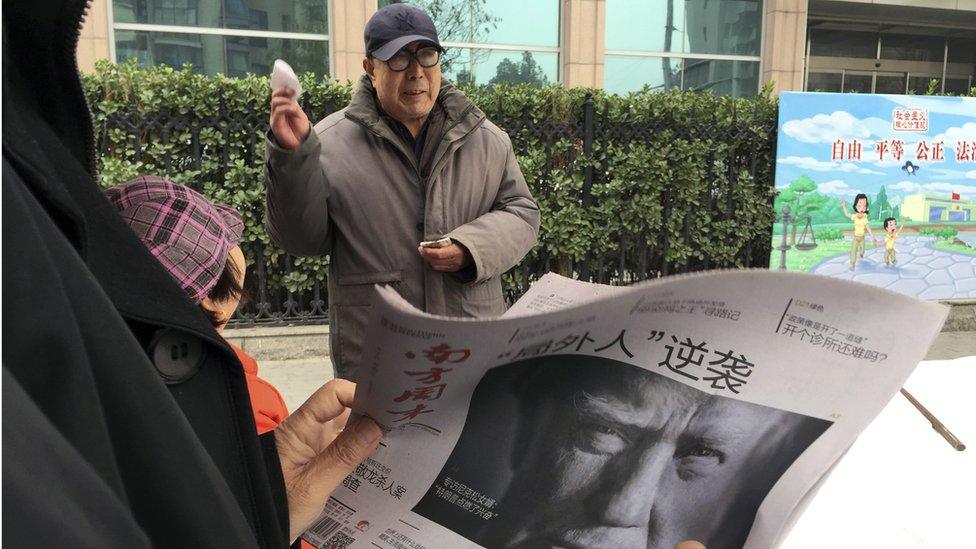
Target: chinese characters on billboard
{"points": [[879, 189]]}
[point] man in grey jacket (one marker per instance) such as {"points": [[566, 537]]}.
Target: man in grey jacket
{"points": [[410, 159]]}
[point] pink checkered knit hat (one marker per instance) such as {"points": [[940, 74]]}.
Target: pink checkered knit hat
{"points": [[187, 233]]}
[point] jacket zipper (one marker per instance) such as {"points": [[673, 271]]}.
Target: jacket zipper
{"points": [[88, 123]]}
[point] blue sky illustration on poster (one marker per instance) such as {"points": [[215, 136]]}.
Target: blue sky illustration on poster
{"points": [[914, 157]]}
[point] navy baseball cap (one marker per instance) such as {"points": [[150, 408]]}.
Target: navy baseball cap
{"points": [[393, 27]]}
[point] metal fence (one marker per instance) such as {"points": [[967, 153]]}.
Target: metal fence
{"points": [[644, 255], [641, 255]]}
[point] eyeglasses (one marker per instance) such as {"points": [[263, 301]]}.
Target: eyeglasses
{"points": [[426, 57]]}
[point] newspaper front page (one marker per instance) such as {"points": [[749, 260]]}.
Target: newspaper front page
{"points": [[701, 407]]}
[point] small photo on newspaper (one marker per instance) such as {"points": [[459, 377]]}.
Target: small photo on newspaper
{"points": [[706, 407]]}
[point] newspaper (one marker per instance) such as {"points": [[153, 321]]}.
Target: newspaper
{"points": [[704, 407]]}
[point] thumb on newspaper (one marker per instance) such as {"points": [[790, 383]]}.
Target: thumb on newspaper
{"points": [[314, 459]]}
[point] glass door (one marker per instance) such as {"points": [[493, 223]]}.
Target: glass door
{"points": [[890, 82], [857, 82], [872, 81]]}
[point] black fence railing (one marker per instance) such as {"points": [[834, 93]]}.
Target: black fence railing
{"points": [[644, 254], [583, 144]]}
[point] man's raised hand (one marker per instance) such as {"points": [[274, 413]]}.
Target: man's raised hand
{"points": [[289, 124]]}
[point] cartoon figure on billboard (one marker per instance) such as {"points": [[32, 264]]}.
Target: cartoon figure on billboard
{"points": [[908, 162], [861, 224], [892, 230]]}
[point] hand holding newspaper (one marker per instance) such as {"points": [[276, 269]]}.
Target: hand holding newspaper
{"points": [[703, 407]]}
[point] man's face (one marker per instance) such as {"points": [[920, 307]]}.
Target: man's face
{"points": [[642, 461], [406, 95]]}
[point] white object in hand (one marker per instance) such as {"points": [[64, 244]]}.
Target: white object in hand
{"points": [[282, 76]]}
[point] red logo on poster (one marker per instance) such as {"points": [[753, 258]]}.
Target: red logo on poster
{"points": [[910, 120]]}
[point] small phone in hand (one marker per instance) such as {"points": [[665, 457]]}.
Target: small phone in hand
{"points": [[439, 243]]}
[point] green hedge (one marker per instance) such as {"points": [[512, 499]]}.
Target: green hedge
{"points": [[944, 233], [706, 161], [830, 234]]}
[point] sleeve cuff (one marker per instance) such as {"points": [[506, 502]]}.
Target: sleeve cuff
{"points": [[305, 148], [471, 273], [467, 274]]}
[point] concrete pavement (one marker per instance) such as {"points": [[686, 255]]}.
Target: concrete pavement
{"points": [[921, 271]]}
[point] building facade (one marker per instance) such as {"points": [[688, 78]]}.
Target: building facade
{"points": [[894, 46], [936, 208], [732, 47]]}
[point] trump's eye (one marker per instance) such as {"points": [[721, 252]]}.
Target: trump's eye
{"points": [[697, 460], [599, 438], [703, 451]]}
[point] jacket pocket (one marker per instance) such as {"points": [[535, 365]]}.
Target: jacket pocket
{"points": [[353, 295], [370, 278], [481, 300], [357, 288]]}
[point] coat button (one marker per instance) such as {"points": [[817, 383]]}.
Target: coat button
{"points": [[420, 227], [176, 355]]}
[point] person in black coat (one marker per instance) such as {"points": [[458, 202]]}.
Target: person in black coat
{"points": [[126, 420]]}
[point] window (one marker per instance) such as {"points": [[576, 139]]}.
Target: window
{"points": [[918, 84], [232, 37], [212, 54], [174, 12], [686, 44], [730, 27], [886, 58], [858, 83], [959, 84], [824, 81], [890, 83], [735, 78], [628, 73], [482, 66], [496, 41], [907, 47], [962, 50], [843, 43]]}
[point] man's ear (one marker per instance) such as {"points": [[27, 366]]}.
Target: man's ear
{"points": [[369, 69]]}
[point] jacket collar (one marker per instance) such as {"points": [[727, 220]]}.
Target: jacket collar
{"points": [[40, 42], [461, 115]]}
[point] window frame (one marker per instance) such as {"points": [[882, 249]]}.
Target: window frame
{"points": [[494, 46], [699, 56], [217, 31]]}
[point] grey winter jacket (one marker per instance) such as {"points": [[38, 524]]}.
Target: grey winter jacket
{"points": [[354, 190]]}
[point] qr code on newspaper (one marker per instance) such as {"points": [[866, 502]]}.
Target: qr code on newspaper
{"points": [[339, 541]]}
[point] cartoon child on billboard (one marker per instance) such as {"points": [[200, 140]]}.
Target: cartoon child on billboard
{"points": [[892, 230], [860, 219]]}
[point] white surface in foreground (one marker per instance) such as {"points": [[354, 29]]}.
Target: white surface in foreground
{"points": [[901, 484]]}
